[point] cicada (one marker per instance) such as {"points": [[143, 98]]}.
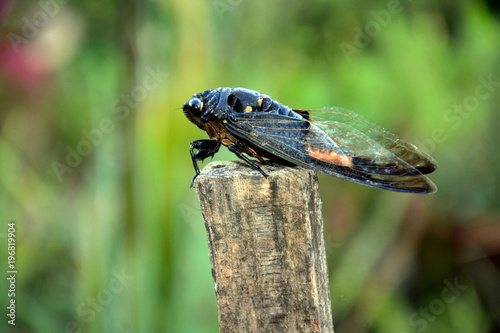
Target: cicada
{"points": [[334, 141]]}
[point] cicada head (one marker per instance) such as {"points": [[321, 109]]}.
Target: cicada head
{"points": [[193, 109], [206, 105]]}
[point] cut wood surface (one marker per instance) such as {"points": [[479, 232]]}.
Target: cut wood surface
{"points": [[267, 252]]}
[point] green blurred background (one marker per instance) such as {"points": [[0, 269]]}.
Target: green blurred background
{"points": [[95, 167]]}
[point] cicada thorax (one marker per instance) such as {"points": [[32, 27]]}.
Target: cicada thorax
{"points": [[217, 131]]}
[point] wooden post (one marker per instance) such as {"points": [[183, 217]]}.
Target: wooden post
{"points": [[267, 251]]}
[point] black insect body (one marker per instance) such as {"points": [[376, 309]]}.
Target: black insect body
{"points": [[334, 141]]}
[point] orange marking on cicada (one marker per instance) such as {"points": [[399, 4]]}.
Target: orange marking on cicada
{"points": [[253, 153], [227, 142], [330, 156]]}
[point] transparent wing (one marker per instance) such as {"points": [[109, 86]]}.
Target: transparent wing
{"points": [[365, 139], [340, 143]]}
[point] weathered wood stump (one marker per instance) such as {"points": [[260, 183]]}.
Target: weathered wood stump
{"points": [[267, 252]]}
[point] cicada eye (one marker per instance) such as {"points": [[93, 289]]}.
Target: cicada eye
{"points": [[194, 105]]}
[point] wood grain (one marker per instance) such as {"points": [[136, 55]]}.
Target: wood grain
{"points": [[267, 252]]}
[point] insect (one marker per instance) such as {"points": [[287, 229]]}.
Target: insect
{"points": [[334, 141]]}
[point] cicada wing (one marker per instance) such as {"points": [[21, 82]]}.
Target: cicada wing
{"points": [[371, 142], [304, 143]]}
